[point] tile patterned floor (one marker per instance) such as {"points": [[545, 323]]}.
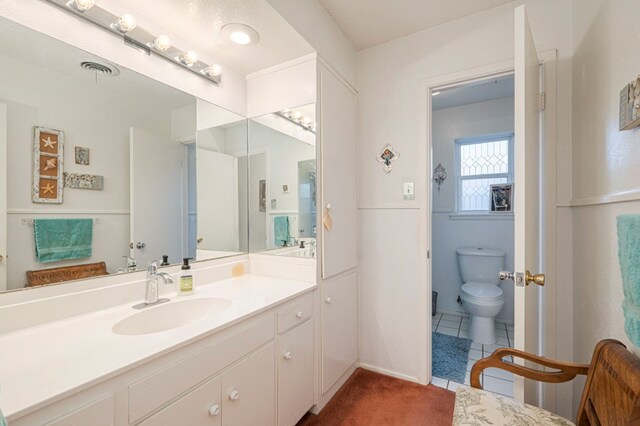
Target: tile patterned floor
{"points": [[493, 379]]}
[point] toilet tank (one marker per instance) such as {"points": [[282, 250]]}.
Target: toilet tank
{"points": [[480, 264]]}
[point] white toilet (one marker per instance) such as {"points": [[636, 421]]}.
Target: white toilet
{"points": [[480, 294]]}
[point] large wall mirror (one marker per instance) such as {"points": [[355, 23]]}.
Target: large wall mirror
{"points": [[282, 183], [108, 170]]}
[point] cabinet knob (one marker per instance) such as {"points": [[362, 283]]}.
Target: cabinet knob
{"points": [[214, 410], [328, 300], [300, 314], [288, 355], [234, 395]]}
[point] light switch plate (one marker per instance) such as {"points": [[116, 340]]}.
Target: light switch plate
{"points": [[409, 191]]}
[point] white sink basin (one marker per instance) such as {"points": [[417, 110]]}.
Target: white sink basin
{"points": [[171, 315]]}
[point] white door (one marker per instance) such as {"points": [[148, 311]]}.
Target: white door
{"points": [[3, 197], [339, 158], [156, 197], [527, 197], [257, 216], [218, 217]]}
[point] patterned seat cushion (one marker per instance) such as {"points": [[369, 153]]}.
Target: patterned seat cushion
{"points": [[477, 407]]}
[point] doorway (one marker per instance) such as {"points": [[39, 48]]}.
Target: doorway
{"points": [[472, 229]]}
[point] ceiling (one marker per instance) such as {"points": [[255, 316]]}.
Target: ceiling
{"points": [[472, 93], [371, 22], [198, 23]]}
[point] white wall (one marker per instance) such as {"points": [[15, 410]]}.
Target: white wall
{"points": [[90, 116], [391, 105], [607, 57], [314, 23], [451, 232]]}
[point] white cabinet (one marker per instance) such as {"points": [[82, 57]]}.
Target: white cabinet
{"points": [[98, 413], [295, 373], [339, 328], [337, 141], [242, 395], [244, 375], [201, 406], [248, 390]]}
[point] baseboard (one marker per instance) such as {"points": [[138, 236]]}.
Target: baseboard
{"points": [[390, 373], [466, 315], [324, 399]]}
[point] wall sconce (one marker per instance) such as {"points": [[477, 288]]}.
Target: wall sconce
{"points": [[125, 26], [439, 175]]}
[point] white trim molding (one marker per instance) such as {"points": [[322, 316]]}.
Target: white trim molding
{"points": [[611, 198]]}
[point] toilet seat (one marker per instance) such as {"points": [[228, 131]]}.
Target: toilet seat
{"points": [[481, 291]]}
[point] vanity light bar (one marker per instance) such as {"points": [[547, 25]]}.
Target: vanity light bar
{"points": [[297, 118], [125, 26]]}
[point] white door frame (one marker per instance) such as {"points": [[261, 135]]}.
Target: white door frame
{"points": [[549, 58], [3, 197]]}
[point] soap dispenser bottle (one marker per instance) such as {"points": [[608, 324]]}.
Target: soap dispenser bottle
{"points": [[185, 279]]}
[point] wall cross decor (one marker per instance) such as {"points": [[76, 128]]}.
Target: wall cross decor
{"points": [[386, 157]]}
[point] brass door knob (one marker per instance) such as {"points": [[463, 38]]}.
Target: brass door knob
{"points": [[199, 240], [535, 279], [1, 258]]}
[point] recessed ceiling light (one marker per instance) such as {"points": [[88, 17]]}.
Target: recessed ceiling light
{"points": [[240, 34]]}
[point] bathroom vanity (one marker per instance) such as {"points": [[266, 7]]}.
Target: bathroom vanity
{"points": [[238, 352], [272, 329]]}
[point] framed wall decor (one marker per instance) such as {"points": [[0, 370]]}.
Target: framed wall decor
{"points": [[502, 198], [84, 181], [48, 162], [82, 155]]}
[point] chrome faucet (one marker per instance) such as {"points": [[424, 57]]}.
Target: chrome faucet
{"points": [[151, 290]]}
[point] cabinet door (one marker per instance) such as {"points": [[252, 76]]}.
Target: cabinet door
{"points": [[199, 407], [295, 373], [248, 390], [339, 328], [339, 173]]}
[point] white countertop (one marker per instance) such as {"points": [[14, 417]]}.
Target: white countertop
{"points": [[41, 364]]}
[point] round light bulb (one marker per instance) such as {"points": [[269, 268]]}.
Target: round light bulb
{"points": [[306, 121], [82, 5], [162, 43], [297, 115], [126, 23], [213, 71], [239, 37], [189, 58]]}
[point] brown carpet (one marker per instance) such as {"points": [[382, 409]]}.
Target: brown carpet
{"points": [[369, 398]]}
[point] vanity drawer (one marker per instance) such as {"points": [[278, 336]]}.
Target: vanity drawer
{"points": [[154, 391], [295, 313], [98, 413], [201, 406]]}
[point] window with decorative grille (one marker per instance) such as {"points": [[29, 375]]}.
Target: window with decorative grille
{"points": [[481, 162]]}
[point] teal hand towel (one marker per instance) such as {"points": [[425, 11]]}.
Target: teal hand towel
{"points": [[62, 239], [629, 258], [281, 230]]}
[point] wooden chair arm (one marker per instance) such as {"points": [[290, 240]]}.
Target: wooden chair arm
{"points": [[565, 370]]}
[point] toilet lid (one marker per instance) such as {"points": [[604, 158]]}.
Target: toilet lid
{"points": [[482, 290]]}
